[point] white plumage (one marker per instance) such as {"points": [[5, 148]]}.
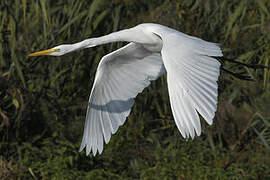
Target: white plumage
{"points": [[192, 75]]}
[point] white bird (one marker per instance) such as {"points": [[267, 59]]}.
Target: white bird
{"points": [[153, 49]]}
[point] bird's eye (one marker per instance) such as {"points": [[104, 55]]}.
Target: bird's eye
{"points": [[57, 50]]}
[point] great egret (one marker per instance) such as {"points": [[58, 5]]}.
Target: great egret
{"points": [[153, 49]]}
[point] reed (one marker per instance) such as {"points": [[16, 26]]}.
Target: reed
{"points": [[43, 100]]}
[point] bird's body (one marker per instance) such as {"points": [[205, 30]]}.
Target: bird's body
{"points": [[153, 49]]}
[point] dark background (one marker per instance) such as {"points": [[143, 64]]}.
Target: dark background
{"points": [[43, 99]]}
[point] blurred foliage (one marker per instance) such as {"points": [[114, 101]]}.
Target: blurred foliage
{"points": [[43, 100]]}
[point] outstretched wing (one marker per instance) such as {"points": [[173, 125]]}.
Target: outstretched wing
{"points": [[120, 76], [192, 76]]}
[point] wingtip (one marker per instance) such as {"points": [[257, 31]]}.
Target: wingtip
{"points": [[81, 147], [198, 131]]}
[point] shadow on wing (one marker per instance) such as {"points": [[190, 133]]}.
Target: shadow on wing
{"points": [[114, 106]]}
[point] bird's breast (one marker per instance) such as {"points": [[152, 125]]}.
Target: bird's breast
{"points": [[156, 47], [154, 42]]}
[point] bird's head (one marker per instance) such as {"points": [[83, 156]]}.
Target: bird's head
{"points": [[56, 51]]}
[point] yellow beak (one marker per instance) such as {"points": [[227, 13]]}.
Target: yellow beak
{"points": [[45, 52]]}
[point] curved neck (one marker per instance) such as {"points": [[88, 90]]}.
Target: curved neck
{"points": [[123, 35], [135, 34]]}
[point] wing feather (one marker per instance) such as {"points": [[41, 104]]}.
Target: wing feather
{"points": [[192, 76], [120, 76]]}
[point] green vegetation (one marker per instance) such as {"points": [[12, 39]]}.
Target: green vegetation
{"points": [[43, 99]]}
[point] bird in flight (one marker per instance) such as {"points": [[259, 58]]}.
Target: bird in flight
{"points": [[153, 49]]}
